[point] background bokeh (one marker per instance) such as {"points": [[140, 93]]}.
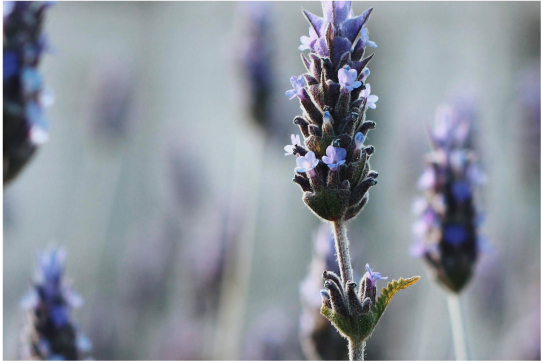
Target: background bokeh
{"points": [[163, 189]]}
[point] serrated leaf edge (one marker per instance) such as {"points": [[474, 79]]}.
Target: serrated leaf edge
{"points": [[387, 293]]}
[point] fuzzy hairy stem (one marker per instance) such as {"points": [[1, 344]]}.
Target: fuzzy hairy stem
{"points": [[356, 350], [341, 244]]}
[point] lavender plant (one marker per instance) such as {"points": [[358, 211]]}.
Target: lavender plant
{"points": [[25, 126], [333, 167], [49, 333], [447, 231]]}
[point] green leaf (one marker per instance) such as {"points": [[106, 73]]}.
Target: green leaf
{"points": [[388, 293]]}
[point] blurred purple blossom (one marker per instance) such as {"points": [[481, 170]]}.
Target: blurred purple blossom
{"points": [[49, 332], [255, 60], [447, 230], [272, 336], [25, 125]]}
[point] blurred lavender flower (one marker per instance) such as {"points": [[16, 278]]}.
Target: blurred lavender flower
{"points": [[256, 59], [334, 100], [272, 337], [111, 101], [319, 339], [528, 121], [25, 126], [448, 226], [49, 333]]}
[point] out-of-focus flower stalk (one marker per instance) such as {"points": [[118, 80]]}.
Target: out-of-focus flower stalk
{"points": [[49, 332], [257, 71], [447, 231], [25, 126], [333, 167], [319, 339]]}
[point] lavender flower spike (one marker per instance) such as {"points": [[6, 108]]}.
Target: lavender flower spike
{"points": [[295, 140], [334, 101], [446, 233], [25, 126], [49, 333]]}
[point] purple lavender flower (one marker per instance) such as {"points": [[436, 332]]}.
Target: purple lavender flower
{"points": [[49, 333], [307, 163], [335, 157], [447, 230], [374, 276], [370, 99], [364, 38], [347, 78], [334, 102], [298, 86], [295, 140], [255, 60], [308, 41], [25, 126], [333, 113]]}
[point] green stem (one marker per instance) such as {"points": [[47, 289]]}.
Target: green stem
{"points": [[356, 350]]}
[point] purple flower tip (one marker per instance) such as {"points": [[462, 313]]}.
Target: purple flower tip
{"points": [[306, 163], [335, 157], [308, 41], [359, 140], [298, 83], [295, 140], [374, 276], [370, 99], [364, 38], [348, 78]]}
